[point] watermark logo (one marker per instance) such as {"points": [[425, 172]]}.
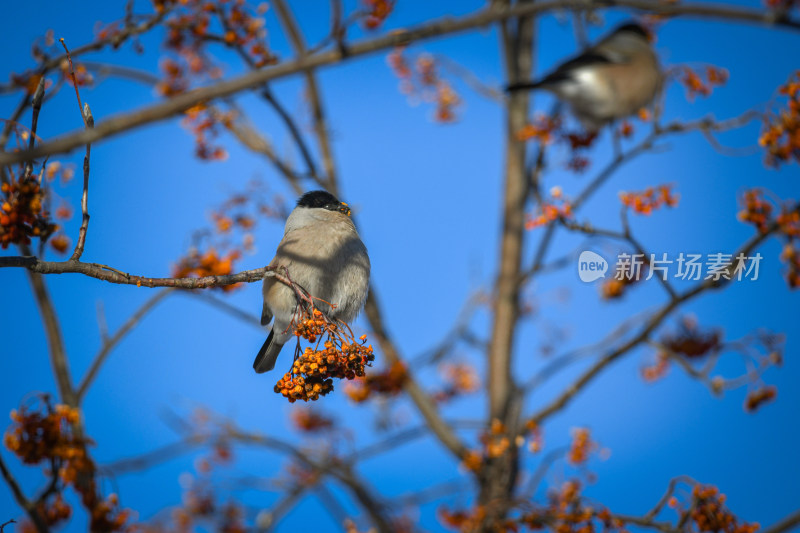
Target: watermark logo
{"points": [[686, 266], [591, 266]]}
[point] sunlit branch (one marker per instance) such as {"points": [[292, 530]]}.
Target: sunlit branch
{"points": [[444, 26], [112, 275]]}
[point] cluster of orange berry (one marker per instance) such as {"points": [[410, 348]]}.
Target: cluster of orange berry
{"points": [[781, 133], [209, 263], [459, 378], [566, 513], [476, 520], [548, 212], [789, 225], [200, 505], [657, 370], [461, 520], [231, 233], [390, 382], [546, 129], [174, 81], [309, 421], [495, 441], [614, 287], [313, 326], [204, 123], [646, 201], [696, 85], [791, 256], [710, 514], [82, 75], [540, 130], [341, 357], [534, 436], [190, 27], [49, 436], [563, 513], [35, 436], [53, 512], [690, 341], [757, 210], [377, 11], [760, 396], [582, 445], [22, 215], [245, 27], [424, 82]]}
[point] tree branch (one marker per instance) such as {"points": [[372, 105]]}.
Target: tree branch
{"points": [[106, 273], [443, 26], [320, 128], [20, 498], [789, 523], [655, 320], [424, 404]]}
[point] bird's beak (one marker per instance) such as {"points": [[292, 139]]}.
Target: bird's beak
{"points": [[344, 208]]}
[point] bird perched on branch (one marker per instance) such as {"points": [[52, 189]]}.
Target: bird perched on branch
{"points": [[610, 80], [322, 254]]}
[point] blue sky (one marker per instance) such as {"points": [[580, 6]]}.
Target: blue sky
{"points": [[428, 199]]}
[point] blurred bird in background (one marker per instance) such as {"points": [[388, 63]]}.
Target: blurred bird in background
{"points": [[324, 255], [611, 80]]}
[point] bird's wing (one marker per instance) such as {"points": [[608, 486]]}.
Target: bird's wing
{"points": [[266, 314], [567, 69]]}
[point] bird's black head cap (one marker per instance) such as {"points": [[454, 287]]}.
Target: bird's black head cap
{"points": [[317, 199], [633, 27], [323, 200]]}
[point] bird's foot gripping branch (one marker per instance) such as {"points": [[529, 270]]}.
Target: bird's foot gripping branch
{"points": [[336, 354]]}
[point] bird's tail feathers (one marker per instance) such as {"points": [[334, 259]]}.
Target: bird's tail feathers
{"points": [[268, 354], [524, 86]]}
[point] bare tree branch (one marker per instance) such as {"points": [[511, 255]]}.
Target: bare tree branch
{"points": [[789, 523], [320, 127]]}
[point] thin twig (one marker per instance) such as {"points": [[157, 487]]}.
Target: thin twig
{"points": [[76, 254], [110, 343]]}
